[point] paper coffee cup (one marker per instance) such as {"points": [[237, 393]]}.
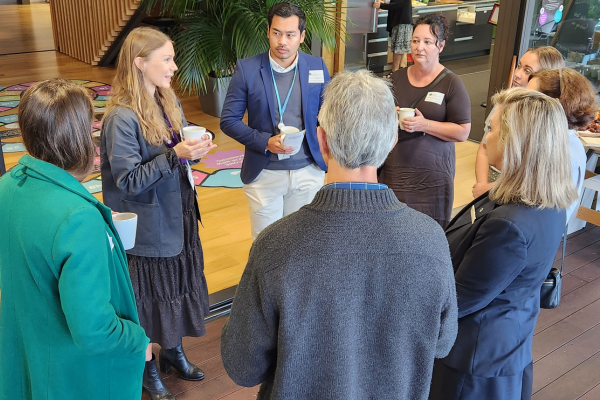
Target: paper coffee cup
{"points": [[126, 225], [405, 113], [194, 132], [287, 129]]}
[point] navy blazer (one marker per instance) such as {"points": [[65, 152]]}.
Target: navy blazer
{"points": [[251, 88], [500, 262]]}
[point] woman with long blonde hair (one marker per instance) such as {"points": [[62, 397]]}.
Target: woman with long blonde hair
{"points": [[534, 60], [145, 170], [503, 246]]}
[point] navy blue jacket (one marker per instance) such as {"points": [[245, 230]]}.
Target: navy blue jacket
{"points": [[251, 88], [137, 177], [500, 262]]}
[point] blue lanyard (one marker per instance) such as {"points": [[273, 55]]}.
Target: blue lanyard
{"points": [[282, 109]]}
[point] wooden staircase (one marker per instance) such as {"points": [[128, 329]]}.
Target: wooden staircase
{"points": [[87, 29]]}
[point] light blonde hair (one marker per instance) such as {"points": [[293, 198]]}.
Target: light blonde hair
{"points": [[129, 89], [548, 57], [536, 165]]}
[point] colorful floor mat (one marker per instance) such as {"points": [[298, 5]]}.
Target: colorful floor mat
{"points": [[219, 169]]}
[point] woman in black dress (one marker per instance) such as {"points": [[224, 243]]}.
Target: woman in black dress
{"points": [[399, 27], [145, 170], [420, 168]]}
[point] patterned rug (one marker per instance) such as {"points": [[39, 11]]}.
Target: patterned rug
{"points": [[218, 169]]}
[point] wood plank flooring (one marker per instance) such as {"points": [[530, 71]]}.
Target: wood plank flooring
{"points": [[566, 345], [566, 348], [25, 28]]}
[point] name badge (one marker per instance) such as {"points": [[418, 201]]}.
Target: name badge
{"points": [[316, 76], [190, 176], [435, 97], [473, 214]]}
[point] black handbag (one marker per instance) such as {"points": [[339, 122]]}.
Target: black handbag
{"points": [[550, 291]]}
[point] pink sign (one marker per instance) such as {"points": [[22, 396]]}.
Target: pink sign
{"points": [[17, 88], [225, 159], [543, 18], [99, 89], [199, 176]]}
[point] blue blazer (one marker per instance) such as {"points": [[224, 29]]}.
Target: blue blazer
{"points": [[251, 88], [500, 262]]}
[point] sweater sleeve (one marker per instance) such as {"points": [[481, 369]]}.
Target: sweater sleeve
{"points": [[249, 338], [80, 252], [449, 316]]}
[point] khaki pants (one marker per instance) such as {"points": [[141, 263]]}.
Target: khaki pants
{"points": [[275, 194]]}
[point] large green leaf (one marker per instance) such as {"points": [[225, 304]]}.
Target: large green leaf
{"points": [[211, 35]]}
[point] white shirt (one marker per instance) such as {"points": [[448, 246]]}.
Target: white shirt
{"points": [[278, 68], [578, 161]]}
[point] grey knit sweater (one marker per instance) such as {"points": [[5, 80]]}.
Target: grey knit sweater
{"points": [[351, 297]]}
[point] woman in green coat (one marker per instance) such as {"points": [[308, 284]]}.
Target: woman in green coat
{"points": [[68, 321]]}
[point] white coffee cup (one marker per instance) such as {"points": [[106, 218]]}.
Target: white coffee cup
{"points": [[126, 225], [284, 130], [405, 113], [195, 132]]}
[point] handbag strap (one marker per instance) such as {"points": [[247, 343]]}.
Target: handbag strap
{"points": [[562, 263], [426, 90], [433, 84]]}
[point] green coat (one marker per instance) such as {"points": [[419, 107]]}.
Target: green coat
{"points": [[68, 322]]}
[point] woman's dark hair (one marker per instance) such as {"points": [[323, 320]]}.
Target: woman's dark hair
{"points": [[575, 93], [286, 10], [55, 118], [439, 26]]}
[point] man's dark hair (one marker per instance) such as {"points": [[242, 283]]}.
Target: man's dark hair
{"points": [[286, 10]]}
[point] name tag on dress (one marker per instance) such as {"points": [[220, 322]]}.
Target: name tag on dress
{"points": [[190, 176], [316, 76], [435, 97]]}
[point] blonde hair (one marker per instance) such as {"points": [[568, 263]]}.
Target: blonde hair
{"points": [[129, 89], [548, 57], [536, 165]]}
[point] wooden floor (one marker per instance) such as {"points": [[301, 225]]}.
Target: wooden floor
{"points": [[567, 342], [25, 28], [566, 345]]}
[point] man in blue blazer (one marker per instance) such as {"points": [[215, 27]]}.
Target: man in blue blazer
{"points": [[281, 88]]}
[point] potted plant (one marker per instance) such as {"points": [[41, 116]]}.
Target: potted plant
{"points": [[211, 35]]}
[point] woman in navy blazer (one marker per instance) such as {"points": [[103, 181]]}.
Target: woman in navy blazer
{"points": [[503, 246]]}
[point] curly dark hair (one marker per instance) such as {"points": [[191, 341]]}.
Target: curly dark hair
{"points": [[439, 26], [573, 90]]}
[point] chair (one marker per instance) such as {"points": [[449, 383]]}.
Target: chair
{"points": [[591, 186]]}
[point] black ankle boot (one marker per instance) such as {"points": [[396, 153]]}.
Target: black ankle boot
{"points": [[153, 384], [175, 358]]}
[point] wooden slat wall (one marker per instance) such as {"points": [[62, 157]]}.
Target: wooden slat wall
{"points": [[85, 29]]}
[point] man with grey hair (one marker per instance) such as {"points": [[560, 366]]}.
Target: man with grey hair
{"points": [[352, 296]]}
